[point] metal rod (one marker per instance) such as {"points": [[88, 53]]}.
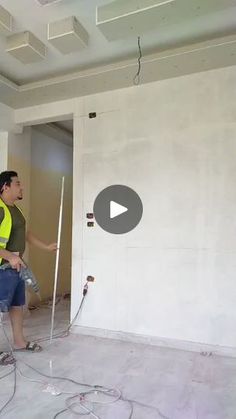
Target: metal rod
{"points": [[57, 259]]}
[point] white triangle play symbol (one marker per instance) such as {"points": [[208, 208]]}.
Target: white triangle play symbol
{"points": [[116, 209]]}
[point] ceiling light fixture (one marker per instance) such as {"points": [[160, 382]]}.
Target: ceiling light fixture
{"points": [[47, 2]]}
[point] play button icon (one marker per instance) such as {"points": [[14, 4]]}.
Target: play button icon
{"points": [[118, 209]]}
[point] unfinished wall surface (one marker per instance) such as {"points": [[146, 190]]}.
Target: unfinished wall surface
{"points": [[50, 161], [3, 150], [6, 118], [6, 127], [19, 160], [174, 142]]}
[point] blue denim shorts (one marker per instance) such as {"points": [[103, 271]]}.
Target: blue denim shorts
{"points": [[12, 289]]}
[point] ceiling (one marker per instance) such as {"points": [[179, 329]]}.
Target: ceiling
{"points": [[200, 28], [61, 131], [66, 126]]}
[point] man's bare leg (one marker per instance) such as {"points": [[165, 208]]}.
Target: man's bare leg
{"points": [[16, 317]]}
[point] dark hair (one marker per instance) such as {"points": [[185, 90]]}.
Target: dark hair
{"points": [[6, 178]]}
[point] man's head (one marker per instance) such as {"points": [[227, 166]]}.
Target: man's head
{"points": [[10, 187]]}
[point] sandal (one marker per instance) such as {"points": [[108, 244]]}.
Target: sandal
{"points": [[30, 347], [6, 358]]}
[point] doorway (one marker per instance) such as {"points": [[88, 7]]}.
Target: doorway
{"points": [[51, 159]]}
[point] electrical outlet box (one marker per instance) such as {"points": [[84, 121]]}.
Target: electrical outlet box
{"points": [[90, 224], [90, 215]]}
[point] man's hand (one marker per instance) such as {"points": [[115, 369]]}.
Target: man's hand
{"points": [[31, 239], [16, 262], [52, 247]]}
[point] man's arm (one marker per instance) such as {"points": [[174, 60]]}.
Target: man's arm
{"points": [[31, 239]]}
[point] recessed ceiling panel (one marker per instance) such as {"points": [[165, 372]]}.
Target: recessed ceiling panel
{"points": [[47, 2], [121, 18], [67, 35], [5, 21], [25, 47]]}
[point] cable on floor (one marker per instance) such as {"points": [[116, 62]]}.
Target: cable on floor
{"points": [[14, 368], [65, 333], [98, 389], [93, 389]]}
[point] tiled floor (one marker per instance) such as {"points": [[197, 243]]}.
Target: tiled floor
{"points": [[181, 385]]}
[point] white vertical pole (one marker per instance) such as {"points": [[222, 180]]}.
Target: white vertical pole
{"points": [[57, 259]]}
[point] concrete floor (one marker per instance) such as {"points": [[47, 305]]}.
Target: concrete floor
{"points": [[181, 385]]}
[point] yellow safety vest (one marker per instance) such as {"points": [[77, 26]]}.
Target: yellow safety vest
{"points": [[5, 226]]}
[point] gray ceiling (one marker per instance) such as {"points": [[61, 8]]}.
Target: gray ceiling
{"points": [[177, 37], [193, 24]]}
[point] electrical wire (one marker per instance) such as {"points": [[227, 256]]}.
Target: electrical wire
{"points": [[161, 415], [59, 413], [14, 368], [66, 332], [13, 393], [107, 392], [70, 380], [94, 389], [116, 394], [29, 378], [136, 78], [97, 389], [81, 405], [7, 374], [131, 410], [61, 334]]}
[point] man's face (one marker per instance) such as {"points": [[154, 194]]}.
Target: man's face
{"points": [[14, 191]]}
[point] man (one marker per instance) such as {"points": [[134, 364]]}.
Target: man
{"points": [[13, 237]]}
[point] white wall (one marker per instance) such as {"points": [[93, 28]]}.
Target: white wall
{"points": [[6, 118], [3, 151], [19, 160], [6, 125], [174, 142]]}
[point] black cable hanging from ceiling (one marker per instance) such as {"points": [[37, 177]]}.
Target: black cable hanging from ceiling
{"points": [[136, 78]]}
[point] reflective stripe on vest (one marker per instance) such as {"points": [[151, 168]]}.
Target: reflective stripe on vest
{"points": [[5, 226]]}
